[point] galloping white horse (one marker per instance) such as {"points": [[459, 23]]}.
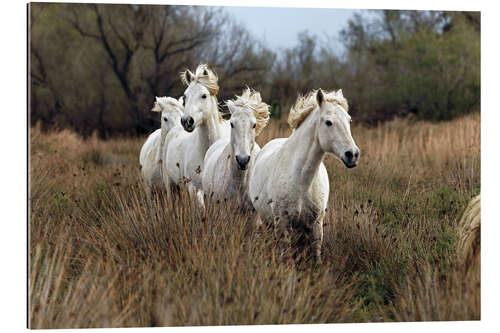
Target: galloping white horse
{"points": [[228, 159], [150, 157], [288, 182], [203, 124]]}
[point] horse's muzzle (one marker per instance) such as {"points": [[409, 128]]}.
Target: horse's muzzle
{"points": [[242, 161], [350, 158], [187, 123]]}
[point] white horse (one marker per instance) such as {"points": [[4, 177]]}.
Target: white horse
{"points": [[150, 157], [203, 124], [228, 159], [288, 183]]}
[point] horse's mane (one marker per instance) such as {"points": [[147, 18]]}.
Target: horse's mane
{"points": [[251, 99], [164, 101], [306, 104], [205, 76]]}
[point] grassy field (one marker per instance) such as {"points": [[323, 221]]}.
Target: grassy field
{"points": [[104, 253]]}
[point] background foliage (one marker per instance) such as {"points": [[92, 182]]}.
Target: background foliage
{"points": [[98, 67]]}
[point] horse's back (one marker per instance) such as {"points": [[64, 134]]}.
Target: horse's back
{"points": [[152, 140], [151, 169], [174, 155], [269, 150], [148, 158], [262, 159]]}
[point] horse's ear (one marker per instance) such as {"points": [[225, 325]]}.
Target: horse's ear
{"points": [[181, 100], [189, 76], [340, 94], [156, 106], [320, 97]]}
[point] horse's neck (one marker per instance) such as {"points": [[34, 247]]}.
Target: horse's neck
{"points": [[210, 130], [159, 152], [169, 135], [303, 145]]}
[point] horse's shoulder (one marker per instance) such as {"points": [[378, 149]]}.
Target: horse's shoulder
{"points": [[321, 187], [255, 151], [152, 138], [270, 149], [151, 142], [213, 157]]}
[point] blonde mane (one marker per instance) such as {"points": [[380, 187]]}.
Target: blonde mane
{"points": [[162, 102], [469, 242], [306, 104], [251, 99], [203, 75]]}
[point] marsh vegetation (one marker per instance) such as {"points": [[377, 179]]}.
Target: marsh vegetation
{"points": [[103, 252]]}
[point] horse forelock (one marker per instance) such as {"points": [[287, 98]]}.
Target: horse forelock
{"points": [[338, 98], [251, 99], [170, 101], [306, 104], [203, 75]]}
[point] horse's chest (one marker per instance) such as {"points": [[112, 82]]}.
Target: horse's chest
{"points": [[298, 206], [193, 168]]}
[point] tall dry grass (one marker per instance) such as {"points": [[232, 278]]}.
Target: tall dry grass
{"points": [[104, 252]]}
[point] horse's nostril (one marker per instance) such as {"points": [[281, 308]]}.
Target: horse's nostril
{"points": [[190, 121], [242, 160], [356, 154], [348, 155]]}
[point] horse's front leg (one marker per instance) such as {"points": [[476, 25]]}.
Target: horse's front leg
{"points": [[191, 191], [258, 221], [317, 238], [283, 235], [200, 199], [171, 187], [196, 195]]}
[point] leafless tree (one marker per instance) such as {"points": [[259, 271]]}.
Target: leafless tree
{"points": [[120, 32]]}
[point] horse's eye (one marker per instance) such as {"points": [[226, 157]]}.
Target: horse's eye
{"points": [[204, 96], [165, 119], [253, 125], [232, 126], [328, 123], [184, 100]]}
